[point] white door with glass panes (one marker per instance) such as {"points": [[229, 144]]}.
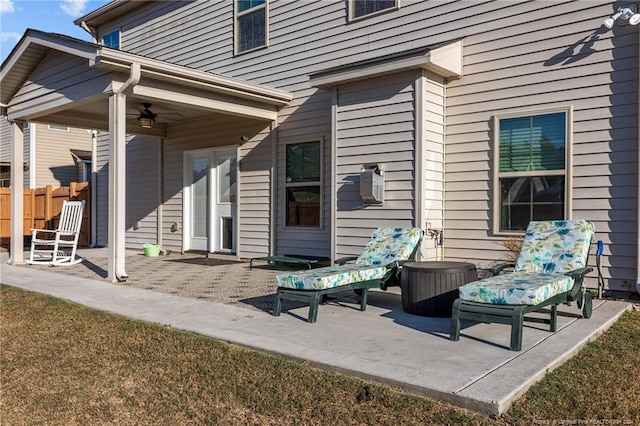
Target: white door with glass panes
{"points": [[210, 200]]}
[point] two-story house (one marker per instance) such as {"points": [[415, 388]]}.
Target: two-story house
{"points": [[280, 126]]}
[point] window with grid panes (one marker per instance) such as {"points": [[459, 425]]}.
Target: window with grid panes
{"points": [[303, 194], [532, 169], [251, 24], [362, 8], [112, 39]]}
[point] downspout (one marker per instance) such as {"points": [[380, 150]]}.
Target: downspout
{"points": [[160, 210], [273, 213], [133, 80], [638, 183], [117, 175], [419, 167], [94, 189], [334, 174], [445, 86]]}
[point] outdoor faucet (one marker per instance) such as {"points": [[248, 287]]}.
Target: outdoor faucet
{"points": [[437, 234]]}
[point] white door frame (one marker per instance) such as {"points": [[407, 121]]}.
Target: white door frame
{"points": [[212, 227]]}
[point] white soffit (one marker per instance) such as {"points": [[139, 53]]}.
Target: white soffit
{"points": [[444, 60]]}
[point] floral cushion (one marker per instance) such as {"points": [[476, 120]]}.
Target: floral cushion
{"points": [[330, 276], [557, 246], [388, 245], [549, 250], [518, 288]]}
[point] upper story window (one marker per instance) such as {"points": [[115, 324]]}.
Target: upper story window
{"points": [[250, 25], [303, 194], [531, 169], [362, 8], [111, 39]]}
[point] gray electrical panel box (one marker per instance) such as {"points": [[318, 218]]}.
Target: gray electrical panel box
{"points": [[371, 184]]}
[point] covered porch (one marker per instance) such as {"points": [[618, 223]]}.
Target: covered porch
{"points": [[56, 79]]}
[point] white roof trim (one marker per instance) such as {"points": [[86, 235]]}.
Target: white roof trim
{"points": [[34, 43], [117, 60], [444, 60]]}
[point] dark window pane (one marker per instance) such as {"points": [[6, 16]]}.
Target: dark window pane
{"points": [[252, 30], [524, 199], [248, 4], [366, 7], [112, 40], [303, 206], [303, 162]]}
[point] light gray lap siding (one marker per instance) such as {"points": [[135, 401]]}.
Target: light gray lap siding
{"points": [[54, 163], [102, 189], [254, 164], [143, 174], [539, 66], [518, 56], [375, 124]]}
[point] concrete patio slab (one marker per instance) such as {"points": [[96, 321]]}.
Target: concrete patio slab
{"points": [[383, 344]]}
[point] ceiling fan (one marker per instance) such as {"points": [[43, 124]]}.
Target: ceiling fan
{"points": [[146, 117]]}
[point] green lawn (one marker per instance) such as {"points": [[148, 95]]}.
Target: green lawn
{"points": [[62, 363]]}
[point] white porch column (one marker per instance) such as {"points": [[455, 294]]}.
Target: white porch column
{"points": [[117, 187], [17, 194]]}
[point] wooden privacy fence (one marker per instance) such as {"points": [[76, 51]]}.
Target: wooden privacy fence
{"points": [[42, 208]]}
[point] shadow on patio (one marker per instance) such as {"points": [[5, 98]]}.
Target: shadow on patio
{"points": [[216, 277]]}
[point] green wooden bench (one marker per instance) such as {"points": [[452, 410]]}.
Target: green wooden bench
{"points": [[550, 270], [289, 259], [376, 267]]}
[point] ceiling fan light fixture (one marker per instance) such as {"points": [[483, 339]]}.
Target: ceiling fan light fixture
{"points": [[146, 122], [147, 118]]}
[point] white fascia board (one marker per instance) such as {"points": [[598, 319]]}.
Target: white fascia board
{"points": [[31, 37], [206, 102], [159, 70], [30, 50]]}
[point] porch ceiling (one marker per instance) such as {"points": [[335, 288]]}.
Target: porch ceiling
{"points": [[176, 92]]}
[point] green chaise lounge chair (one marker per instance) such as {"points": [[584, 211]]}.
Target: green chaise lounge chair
{"points": [[377, 267], [550, 270]]}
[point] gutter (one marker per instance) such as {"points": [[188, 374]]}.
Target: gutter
{"points": [[638, 183], [118, 60]]}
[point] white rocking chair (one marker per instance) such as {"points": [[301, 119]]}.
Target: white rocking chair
{"points": [[60, 248]]}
